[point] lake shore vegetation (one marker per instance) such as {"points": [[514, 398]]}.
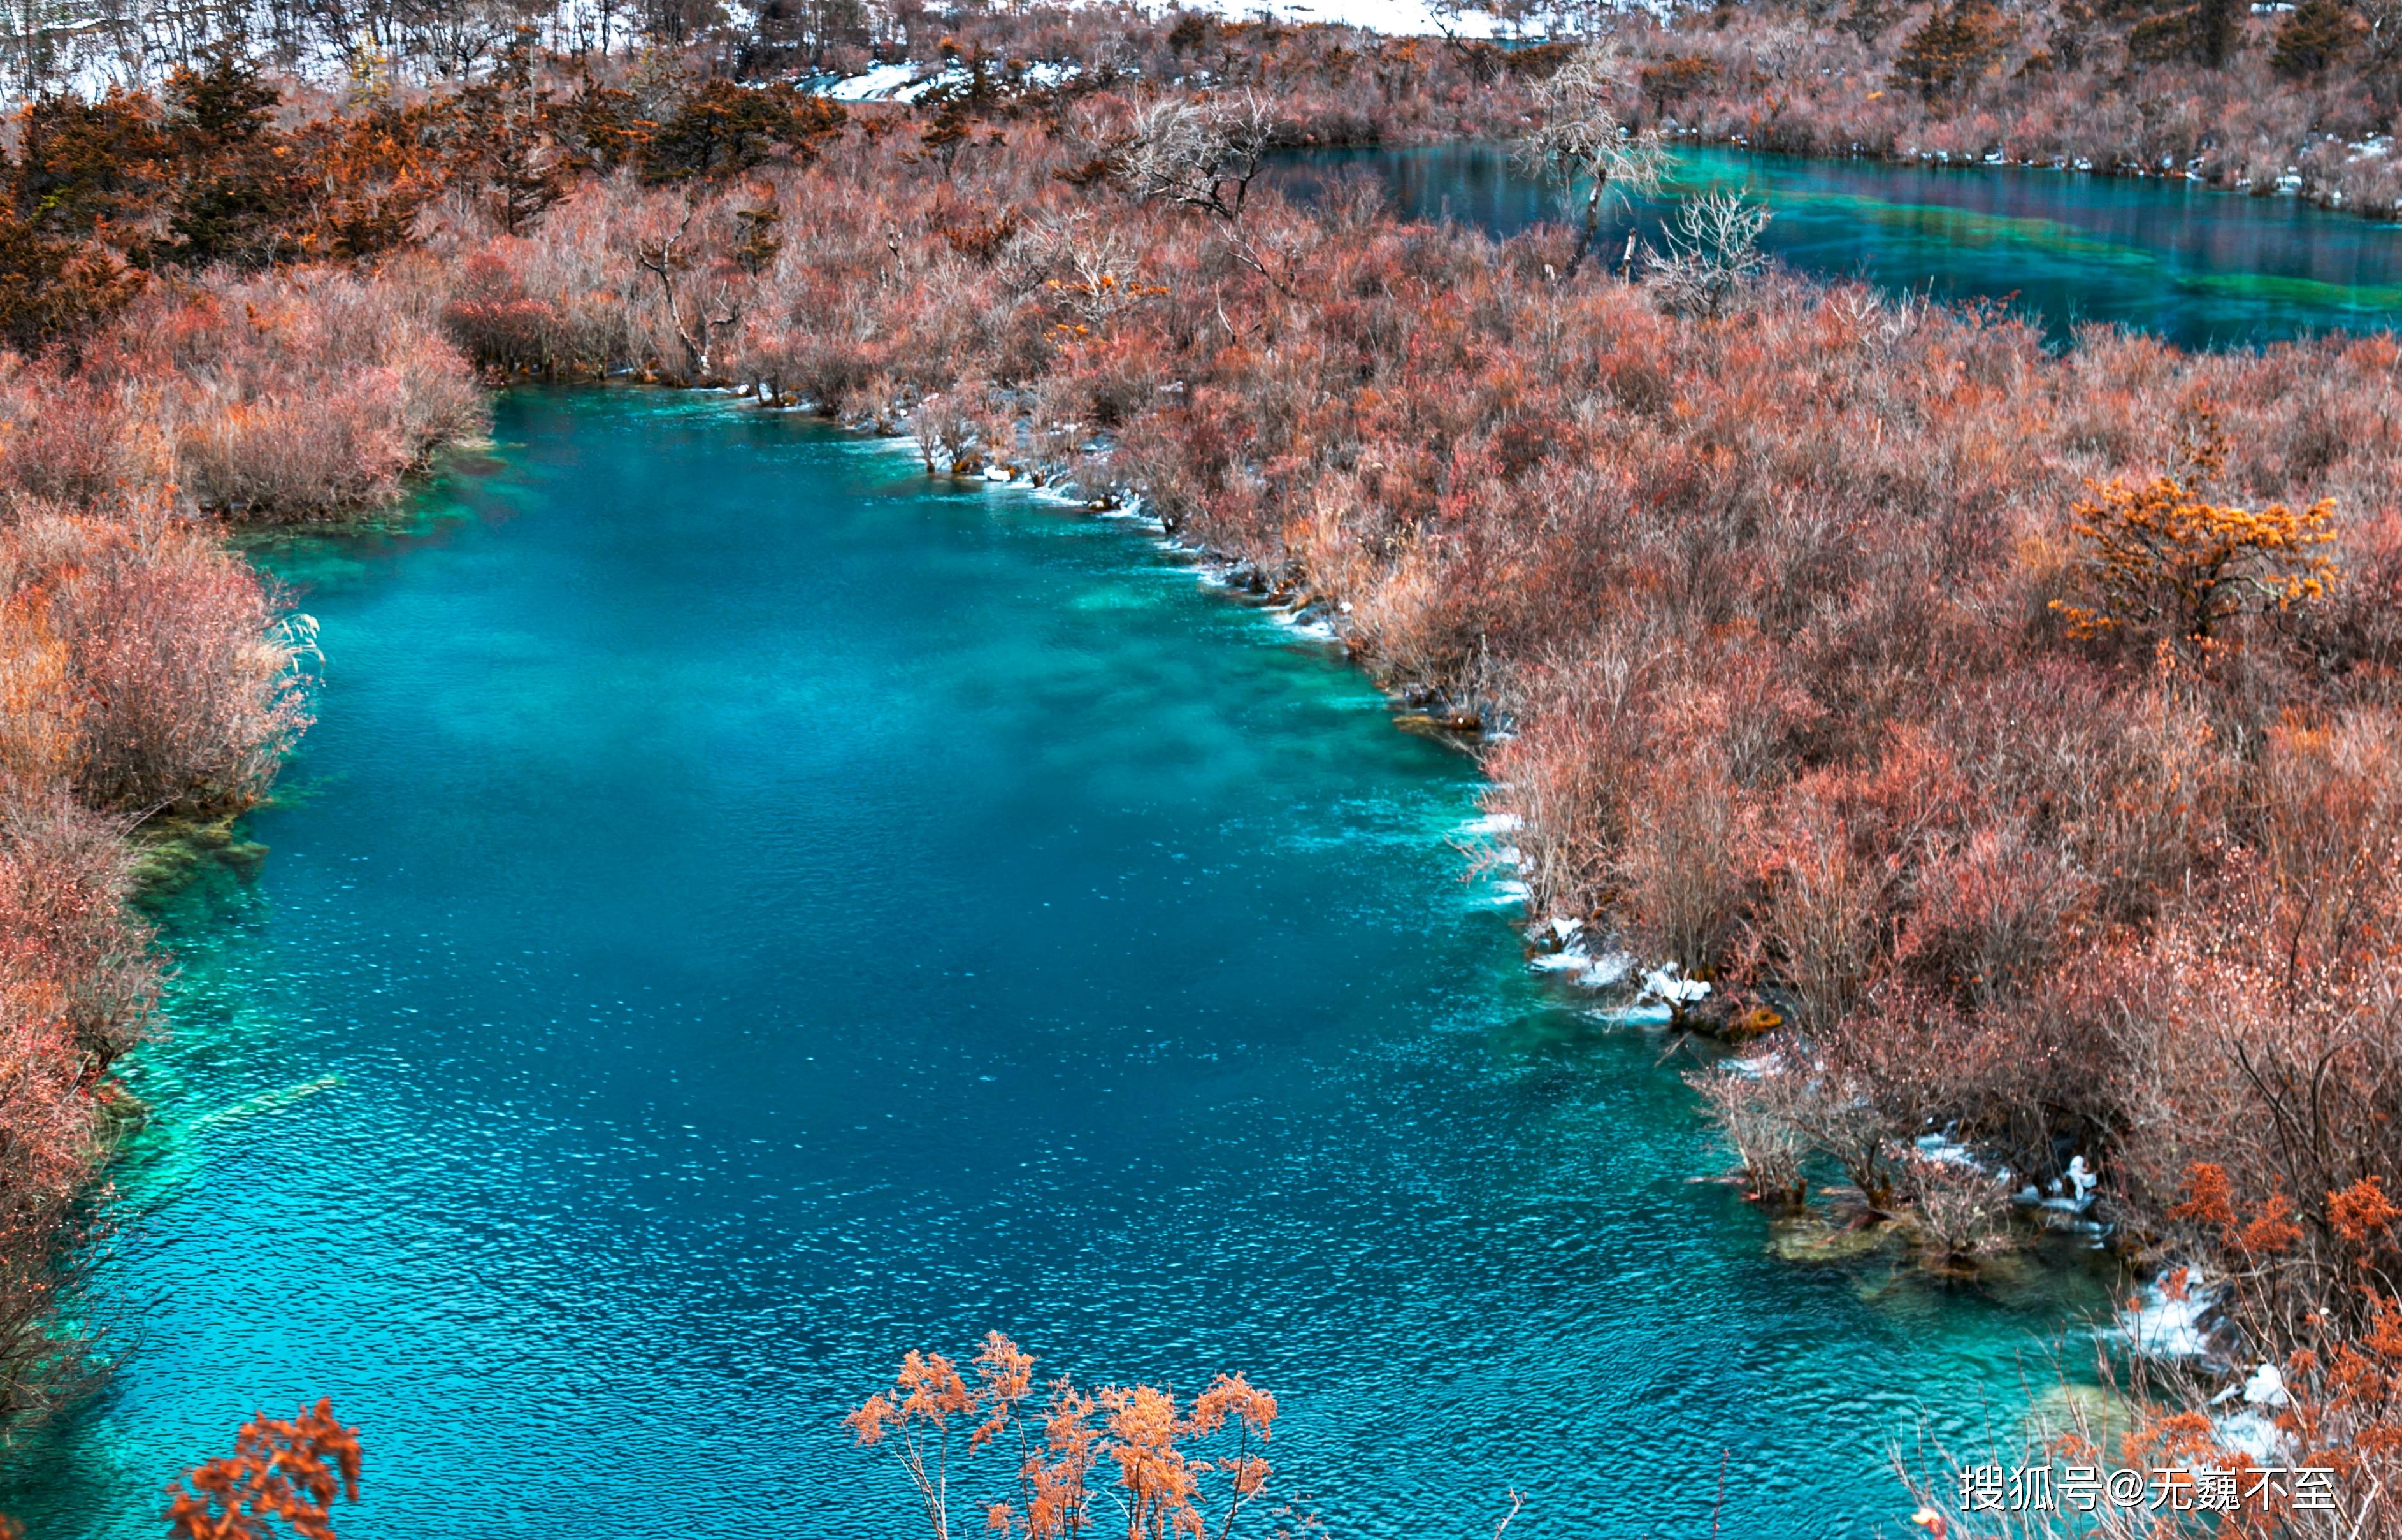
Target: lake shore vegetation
{"points": [[2009, 738]]}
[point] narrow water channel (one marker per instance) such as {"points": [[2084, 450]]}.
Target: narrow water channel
{"points": [[745, 910], [2201, 268]]}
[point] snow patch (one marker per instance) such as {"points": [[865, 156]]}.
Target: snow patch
{"points": [[2264, 1386], [877, 84], [2073, 1197], [1421, 18], [1306, 621], [1946, 1149], [1571, 954], [1668, 985], [1398, 18], [910, 82], [1608, 969]]}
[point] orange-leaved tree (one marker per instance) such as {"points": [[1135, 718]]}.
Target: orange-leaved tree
{"points": [[939, 1422], [287, 1468], [2163, 558]]}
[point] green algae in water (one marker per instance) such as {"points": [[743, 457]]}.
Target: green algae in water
{"points": [[172, 851], [2200, 267]]}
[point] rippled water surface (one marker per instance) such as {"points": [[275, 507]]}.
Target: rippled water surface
{"points": [[2200, 267], [744, 911]]}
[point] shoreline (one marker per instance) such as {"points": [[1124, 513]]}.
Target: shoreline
{"points": [[1758, 598], [1556, 946]]}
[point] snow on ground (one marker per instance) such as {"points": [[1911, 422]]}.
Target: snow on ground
{"points": [[908, 82], [1946, 1149], [1668, 985], [1391, 18], [877, 84], [2073, 1197], [1950, 1151], [2251, 1433], [1585, 967], [2264, 1387], [1397, 17], [1306, 621], [2252, 1427], [1400, 18]]}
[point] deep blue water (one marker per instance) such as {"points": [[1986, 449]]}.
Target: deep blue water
{"points": [[2200, 267], [746, 911]]}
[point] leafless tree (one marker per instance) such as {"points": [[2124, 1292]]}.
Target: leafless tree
{"points": [[717, 313], [1958, 1208], [1202, 155], [1713, 252], [1748, 1108], [1580, 142], [1091, 269], [1205, 156]]}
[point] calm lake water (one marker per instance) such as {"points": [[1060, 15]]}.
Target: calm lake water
{"points": [[2201, 268], [746, 911]]}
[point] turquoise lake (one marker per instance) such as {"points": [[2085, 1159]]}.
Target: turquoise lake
{"points": [[746, 911], [2200, 267]]}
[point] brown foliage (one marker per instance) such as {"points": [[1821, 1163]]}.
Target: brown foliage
{"points": [[1139, 1429], [283, 1471], [1771, 609], [1769, 606], [2163, 559], [1951, 50]]}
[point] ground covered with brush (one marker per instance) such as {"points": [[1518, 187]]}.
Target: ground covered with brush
{"points": [[2010, 737]]}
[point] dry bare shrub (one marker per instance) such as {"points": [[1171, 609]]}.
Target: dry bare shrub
{"points": [[1712, 253], [1819, 921], [74, 441], [294, 397], [2162, 787], [1684, 872], [1571, 772], [1958, 1208], [78, 982], [68, 942], [183, 672], [1991, 914], [1833, 1113], [1748, 1108]]}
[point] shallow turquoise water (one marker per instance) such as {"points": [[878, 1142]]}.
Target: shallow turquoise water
{"points": [[2200, 267], [745, 911]]}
